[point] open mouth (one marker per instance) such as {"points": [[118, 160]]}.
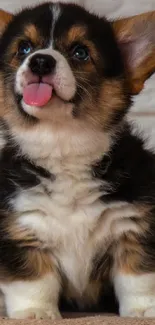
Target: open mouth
{"points": [[38, 94]]}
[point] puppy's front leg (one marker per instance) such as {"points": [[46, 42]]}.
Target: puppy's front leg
{"points": [[33, 299], [136, 294]]}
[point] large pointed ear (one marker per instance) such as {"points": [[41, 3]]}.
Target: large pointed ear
{"points": [[136, 37], [5, 18]]}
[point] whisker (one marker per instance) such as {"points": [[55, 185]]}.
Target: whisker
{"points": [[86, 92]]}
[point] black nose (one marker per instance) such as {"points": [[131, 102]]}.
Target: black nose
{"points": [[42, 64]]}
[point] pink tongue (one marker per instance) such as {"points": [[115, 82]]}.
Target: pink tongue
{"points": [[37, 94]]}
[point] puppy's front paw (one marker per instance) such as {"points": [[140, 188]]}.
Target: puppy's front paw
{"points": [[139, 313], [36, 314], [134, 313]]}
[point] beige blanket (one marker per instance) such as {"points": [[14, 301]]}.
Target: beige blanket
{"points": [[98, 320]]}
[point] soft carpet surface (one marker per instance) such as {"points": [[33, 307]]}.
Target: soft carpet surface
{"points": [[83, 321]]}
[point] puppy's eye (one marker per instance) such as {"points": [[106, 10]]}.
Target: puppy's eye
{"points": [[80, 53], [24, 48]]}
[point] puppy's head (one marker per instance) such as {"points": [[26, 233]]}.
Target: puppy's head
{"points": [[65, 66]]}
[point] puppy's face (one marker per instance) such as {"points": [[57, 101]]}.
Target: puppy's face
{"points": [[61, 64]]}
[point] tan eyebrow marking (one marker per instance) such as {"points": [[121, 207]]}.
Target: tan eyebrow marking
{"points": [[32, 33]]}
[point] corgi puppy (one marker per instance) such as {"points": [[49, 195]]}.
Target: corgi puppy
{"points": [[77, 185]]}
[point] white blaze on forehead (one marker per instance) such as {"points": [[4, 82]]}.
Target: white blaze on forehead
{"points": [[56, 12]]}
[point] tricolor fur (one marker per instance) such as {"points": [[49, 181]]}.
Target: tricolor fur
{"points": [[77, 185]]}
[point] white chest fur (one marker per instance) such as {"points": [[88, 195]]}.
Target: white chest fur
{"points": [[63, 214]]}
